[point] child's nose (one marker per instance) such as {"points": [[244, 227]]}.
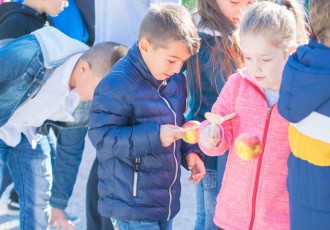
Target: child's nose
{"points": [[257, 67]]}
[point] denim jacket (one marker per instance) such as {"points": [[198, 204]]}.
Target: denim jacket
{"points": [[25, 65]]}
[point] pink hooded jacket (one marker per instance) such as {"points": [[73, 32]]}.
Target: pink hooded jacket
{"points": [[253, 193]]}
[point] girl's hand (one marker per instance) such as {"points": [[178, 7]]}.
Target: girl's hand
{"points": [[209, 139]]}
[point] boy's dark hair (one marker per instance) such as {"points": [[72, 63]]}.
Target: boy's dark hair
{"points": [[167, 22], [320, 18], [103, 56]]}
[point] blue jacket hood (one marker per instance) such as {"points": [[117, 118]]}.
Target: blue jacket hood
{"points": [[305, 82]]}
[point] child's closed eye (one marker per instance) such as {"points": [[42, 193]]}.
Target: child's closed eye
{"points": [[265, 60]]}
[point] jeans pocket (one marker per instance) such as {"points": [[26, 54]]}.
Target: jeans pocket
{"points": [[210, 179]]}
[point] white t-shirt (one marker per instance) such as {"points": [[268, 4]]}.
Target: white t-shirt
{"points": [[55, 101]]}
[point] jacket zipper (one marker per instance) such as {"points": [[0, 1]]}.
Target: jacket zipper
{"points": [[164, 83], [136, 174], [256, 182], [264, 137]]}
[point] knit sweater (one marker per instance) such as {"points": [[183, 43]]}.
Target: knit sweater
{"points": [[253, 193]]}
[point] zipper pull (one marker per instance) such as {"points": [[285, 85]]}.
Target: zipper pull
{"points": [[164, 83], [137, 164]]}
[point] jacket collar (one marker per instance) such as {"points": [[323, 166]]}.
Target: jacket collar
{"points": [[137, 60]]}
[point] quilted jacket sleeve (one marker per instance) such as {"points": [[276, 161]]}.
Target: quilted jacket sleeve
{"points": [[111, 131]]}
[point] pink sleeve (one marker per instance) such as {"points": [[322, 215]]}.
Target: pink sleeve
{"points": [[223, 106], [207, 151]]}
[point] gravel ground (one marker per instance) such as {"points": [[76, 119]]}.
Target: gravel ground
{"points": [[183, 221]]}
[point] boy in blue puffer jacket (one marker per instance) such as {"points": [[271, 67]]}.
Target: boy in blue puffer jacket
{"points": [[135, 122], [305, 102]]}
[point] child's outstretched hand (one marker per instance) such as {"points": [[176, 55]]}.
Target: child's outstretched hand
{"points": [[207, 138], [59, 219], [169, 134], [196, 166]]}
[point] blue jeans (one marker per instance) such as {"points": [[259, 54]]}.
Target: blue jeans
{"points": [[141, 225], [206, 194], [32, 175]]}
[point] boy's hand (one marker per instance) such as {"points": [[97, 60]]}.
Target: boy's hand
{"points": [[169, 134], [196, 166], [58, 218], [206, 139]]}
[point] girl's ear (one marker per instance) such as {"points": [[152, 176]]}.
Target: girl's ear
{"points": [[292, 49]]}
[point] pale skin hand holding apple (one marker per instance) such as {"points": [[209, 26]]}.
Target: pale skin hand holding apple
{"points": [[169, 134], [210, 139]]}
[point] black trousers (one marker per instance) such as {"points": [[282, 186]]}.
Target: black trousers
{"points": [[94, 220]]}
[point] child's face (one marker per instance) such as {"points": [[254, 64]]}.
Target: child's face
{"points": [[234, 9], [264, 61], [84, 80], [164, 62], [86, 86], [54, 7]]}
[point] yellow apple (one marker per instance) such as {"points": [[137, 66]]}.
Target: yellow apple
{"points": [[191, 134], [248, 146]]}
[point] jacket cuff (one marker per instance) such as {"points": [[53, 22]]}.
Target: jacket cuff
{"points": [[58, 203]]}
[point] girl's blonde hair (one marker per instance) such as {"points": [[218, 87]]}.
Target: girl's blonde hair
{"points": [[283, 22]]}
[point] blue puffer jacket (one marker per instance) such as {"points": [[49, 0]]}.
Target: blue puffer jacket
{"points": [[138, 178]]}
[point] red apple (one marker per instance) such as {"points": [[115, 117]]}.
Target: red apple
{"points": [[191, 134], [248, 146]]}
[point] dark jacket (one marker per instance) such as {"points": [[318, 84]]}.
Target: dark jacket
{"points": [[305, 102], [212, 80], [17, 19], [138, 178]]}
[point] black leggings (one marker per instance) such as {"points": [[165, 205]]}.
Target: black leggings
{"points": [[94, 220]]}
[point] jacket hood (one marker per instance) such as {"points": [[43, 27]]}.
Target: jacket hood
{"points": [[9, 8], [311, 58]]}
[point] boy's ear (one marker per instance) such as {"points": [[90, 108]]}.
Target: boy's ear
{"points": [[144, 45], [84, 66]]}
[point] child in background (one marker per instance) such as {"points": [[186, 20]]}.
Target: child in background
{"points": [[92, 197], [253, 194], [305, 102], [218, 57], [47, 83], [18, 19], [135, 122]]}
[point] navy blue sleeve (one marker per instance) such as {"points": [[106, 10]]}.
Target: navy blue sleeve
{"points": [[110, 128]]}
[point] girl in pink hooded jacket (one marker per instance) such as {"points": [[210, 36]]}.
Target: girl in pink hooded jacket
{"points": [[253, 193]]}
